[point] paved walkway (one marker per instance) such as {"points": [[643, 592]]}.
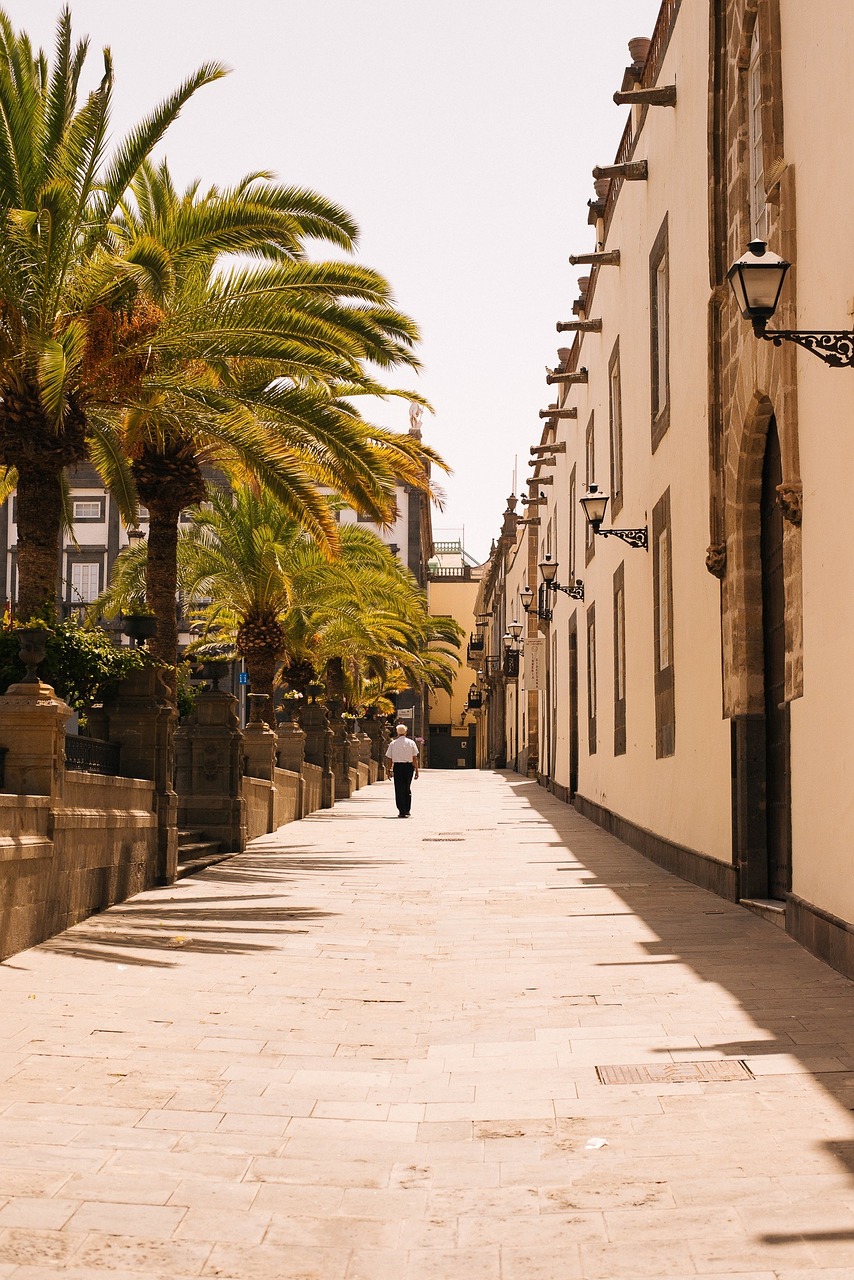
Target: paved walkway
{"points": [[378, 1050]]}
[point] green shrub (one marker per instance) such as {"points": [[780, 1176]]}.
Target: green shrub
{"points": [[83, 664]]}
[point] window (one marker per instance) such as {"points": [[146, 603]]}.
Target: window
{"points": [[85, 581], [662, 580], [615, 416], [89, 510], [662, 602], [755, 142], [591, 680], [659, 314], [619, 663], [573, 499], [590, 478]]}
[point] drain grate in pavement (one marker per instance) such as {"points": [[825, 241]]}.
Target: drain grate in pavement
{"points": [[676, 1073]]}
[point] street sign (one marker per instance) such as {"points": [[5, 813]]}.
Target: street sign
{"points": [[243, 677]]}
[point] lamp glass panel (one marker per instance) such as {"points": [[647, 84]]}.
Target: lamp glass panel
{"points": [[595, 506], [548, 568], [762, 285]]}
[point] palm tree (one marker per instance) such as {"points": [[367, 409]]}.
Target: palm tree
{"points": [[59, 192], [258, 581], [359, 616], [251, 368]]}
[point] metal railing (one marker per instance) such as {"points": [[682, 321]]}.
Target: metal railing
{"points": [[92, 755]]}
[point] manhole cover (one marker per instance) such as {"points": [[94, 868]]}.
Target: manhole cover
{"points": [[676, 1073]]}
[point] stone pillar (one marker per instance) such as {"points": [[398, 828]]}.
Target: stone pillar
{"points": [[342, 757], [364, 747], [142, 719], [259, 740], [318, 749], [210, 768], [32, 729], [377, 733], [290, 741], [290, 755]]}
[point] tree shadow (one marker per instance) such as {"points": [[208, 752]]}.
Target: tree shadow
{"points": [[152, 925], [786, 991]]}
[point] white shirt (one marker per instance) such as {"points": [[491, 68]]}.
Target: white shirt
{"points": [[402, 751]]}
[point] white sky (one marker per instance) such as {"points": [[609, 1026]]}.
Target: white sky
{"points": [[459, 133]]}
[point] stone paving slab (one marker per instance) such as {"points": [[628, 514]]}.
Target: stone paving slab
{"points": [[375, 1050]]}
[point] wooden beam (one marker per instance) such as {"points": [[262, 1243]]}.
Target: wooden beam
{"points": [[603, 258], [665, 96], [631, 171], [552, 448], [578, 326], [558, 413], [558, 376]]}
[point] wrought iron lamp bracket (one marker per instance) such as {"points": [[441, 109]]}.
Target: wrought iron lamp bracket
{"points": [[634, 537], [834, 346], [575, 593]]}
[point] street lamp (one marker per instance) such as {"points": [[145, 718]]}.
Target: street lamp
{"points": [[515, 628], [549, 568], [135, 536], [526, 595], [594, 504], [757, 280]]}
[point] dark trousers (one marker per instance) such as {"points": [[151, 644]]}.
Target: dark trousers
{"points": [[402, 774]]}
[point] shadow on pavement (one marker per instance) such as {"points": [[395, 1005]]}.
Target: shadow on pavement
{"points": [[807, 1007]]}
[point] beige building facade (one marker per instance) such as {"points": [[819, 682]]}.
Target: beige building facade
{"points": [[452, 592], [698, 700]]}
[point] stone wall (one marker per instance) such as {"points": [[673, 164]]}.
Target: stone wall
{"points": [[312, 793], [287, 797], [258, 802], [102, 848]]}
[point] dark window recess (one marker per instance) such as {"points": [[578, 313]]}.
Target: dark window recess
{"points": [[591, 680], [659, 338], [573, 496], [589, 478], [615, 422], [778, 815], [619, 662], [662, 585]]}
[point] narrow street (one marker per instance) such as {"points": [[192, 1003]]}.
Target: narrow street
{"points": [[489, 1043]]}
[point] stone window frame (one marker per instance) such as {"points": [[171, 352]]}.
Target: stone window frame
{"points": [[659, 327], [590, 478], [762, 16], [759, 219], [615, 428], [620, 660], [592, 703], [664, 666]]}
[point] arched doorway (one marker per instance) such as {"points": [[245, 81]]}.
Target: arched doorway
{"points": [[777, 775]]}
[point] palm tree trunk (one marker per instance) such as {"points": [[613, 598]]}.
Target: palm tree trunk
{"points": [[161, 578], [39, 496]]}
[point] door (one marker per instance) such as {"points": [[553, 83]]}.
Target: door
{"points": [[777, 791], [573, 707]]}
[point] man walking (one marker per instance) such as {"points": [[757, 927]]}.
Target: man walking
{"points": [[401, 763]]}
